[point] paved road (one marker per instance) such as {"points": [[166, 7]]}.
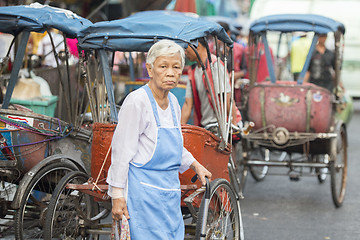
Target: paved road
{"points": [[280, 209]]}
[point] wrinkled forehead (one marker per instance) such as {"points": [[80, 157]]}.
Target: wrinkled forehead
{"points": [[169, 58]]}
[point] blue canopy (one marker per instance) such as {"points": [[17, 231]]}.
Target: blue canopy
{"points": [[138, 32], [297, 22], [39, 18]]}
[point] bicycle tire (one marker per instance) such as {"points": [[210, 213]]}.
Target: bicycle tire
{"points": [[29, 218], [338, 168], [223, 206], [69, 211]]}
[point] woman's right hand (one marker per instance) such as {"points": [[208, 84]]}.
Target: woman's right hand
{"points": [[119, 209]]}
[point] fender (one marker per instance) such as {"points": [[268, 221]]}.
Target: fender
{"points": [[25, 181]]}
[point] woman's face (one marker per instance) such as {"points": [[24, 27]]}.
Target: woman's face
{"points": [[165, 72]]}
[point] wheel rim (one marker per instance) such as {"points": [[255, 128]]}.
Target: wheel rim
{"points": [[72, 211], [339, 169]]}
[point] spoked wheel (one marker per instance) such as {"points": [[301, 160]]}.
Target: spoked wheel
{"points": [[322, 172], [223, 215], [338, 167], [259, 172], [70, 211], [30, 217]]}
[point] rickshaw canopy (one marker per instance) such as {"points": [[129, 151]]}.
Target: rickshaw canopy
{"points": [[39, 18], [139, 31], [297, 22], [285, 23], [35, 18]]}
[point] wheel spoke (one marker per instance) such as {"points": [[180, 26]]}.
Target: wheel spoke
{"points": [[70, 210], [223, 219], [30, 218]]}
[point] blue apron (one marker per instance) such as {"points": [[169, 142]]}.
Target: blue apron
{"points": [[154, 194]]}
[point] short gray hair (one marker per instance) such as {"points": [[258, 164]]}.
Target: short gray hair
{"points": [[165, 47]]}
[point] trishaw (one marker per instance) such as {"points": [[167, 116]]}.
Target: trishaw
{"points": [[296, 123], [80, 202], [36, 149]]}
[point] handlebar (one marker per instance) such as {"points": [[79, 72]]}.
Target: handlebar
{"points": [[207, 189], [207, 186]]}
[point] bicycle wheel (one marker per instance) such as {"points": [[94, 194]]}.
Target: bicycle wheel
{"points": [[70, 211], [223, 219], [259, 172], [338, 168], [30, 217]]}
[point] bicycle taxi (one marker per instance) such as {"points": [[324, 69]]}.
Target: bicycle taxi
{"points": [[296, 123], [36, 149], [80, 203]]}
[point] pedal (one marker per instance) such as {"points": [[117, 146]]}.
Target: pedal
{"points": [[294, 176]]}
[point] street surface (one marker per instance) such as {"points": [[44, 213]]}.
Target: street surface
{"points": [[280, 209]]}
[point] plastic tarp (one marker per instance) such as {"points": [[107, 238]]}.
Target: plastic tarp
{"points": [[296, 22], [39, 18], [138, 32]]}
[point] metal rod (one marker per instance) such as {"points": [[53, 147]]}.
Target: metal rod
{"points": [[90, 94], [285, 164], [212, 69], [109, 85], [16, 68], [64, 90], [224, 100], [219, 101], [77, 95], [208, 83], [81, 119], [97, 9], [68, 77], [97, 85], [98, 231]]}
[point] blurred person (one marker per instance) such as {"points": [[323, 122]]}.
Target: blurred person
{"points": [[242, 37], [34, 41], [321, 70], [45, 47], [299, 50]]}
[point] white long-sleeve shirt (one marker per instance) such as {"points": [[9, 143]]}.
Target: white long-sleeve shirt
{"points": [[135, 136]]}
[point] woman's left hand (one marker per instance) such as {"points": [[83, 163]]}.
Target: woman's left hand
{"points": [[201, 171]]}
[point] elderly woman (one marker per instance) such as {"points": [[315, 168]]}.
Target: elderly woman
{"points": [[148, 152]]}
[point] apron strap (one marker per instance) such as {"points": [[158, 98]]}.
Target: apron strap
{"points": [[173, 112], [153, 105]]}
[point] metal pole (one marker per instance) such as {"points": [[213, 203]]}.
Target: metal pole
{"points": [[109, 85], [16, 68]]}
